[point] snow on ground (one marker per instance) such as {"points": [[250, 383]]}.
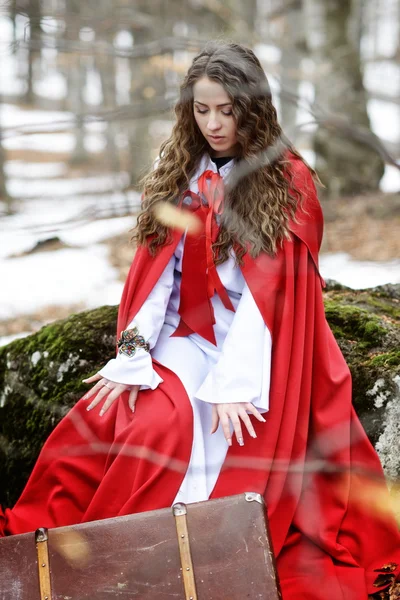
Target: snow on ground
{"points": [[39, 219], [45, 142], [18, 124], [358, 274], [22, 170], [77, 275], [66, 187], [53, 142], [67, 276], [7, 339], [13, 117], [96, 231]]}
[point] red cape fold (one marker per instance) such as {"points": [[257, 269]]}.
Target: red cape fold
{"points": [[311, 459]]}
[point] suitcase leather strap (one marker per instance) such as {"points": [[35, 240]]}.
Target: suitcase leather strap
{"points": [[41, 539], [180, 511]]}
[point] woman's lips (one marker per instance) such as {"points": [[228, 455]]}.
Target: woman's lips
{"points": [[216, 138]]}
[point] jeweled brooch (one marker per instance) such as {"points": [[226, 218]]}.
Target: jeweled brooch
{"points": [[130, 340]]}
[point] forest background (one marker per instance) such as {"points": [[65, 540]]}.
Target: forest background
{"points": [[86, 95]]}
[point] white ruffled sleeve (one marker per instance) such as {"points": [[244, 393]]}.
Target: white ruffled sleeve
{"points": [[138, 369], [242, 373]]}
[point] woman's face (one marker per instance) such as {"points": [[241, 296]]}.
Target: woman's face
{"points": [[213, 113]]}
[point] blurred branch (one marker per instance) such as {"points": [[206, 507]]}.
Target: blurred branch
{"points": [[122, 17], [341, 125], [156, 48], [122, 113], [383, 58], [385, 97]]}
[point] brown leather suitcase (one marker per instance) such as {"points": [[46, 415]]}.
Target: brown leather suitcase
{"points": [[218, 549]]}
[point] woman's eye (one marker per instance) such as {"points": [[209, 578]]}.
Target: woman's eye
{"points": [[204, 111]]}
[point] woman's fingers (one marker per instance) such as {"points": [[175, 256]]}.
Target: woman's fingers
{"points": [[214, 419], [226, 427], [93, 378], [105, 388], [246, 420], [249, 406], [96, 388], [236, 414], [237, 428], [112, 396], [133, 397], [101, 393]]}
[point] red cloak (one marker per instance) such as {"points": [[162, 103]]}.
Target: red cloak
{"points": [[311, 460]]}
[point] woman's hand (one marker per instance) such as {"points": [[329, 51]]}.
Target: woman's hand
{"points": [[105, 387], [234, 411]]}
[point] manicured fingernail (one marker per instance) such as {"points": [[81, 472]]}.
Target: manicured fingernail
{"points": [[101, 412], [253, 435], [84, 380], [89, 407], [240, 441], [263, 420], [133, 409], [229, 441]]}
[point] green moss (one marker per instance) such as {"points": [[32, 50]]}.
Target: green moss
{"points": [[383, 306], [368, 335], [386, 359], [355, 324], [40, 379]]}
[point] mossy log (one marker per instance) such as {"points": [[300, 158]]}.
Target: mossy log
{"points": [[41, 375]]}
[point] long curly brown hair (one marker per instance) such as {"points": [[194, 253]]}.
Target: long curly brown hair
{"points": [[259, 205]]}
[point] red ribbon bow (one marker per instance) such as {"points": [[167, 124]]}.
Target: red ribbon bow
{"points": [[200, 279]]}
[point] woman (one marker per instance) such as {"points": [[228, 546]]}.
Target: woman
{"points": [[222, 330]]}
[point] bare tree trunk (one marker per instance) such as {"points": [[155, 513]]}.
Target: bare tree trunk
{"points": [[76, 82], [292, 51], [13, 14], [75, 74], [345, 166], [34, 13], [4, 195], [105, 65], [145, 85], [106, 69]]}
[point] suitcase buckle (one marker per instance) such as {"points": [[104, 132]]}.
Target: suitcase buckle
{"points": [[254, 497]]}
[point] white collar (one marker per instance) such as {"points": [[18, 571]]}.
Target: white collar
{"points": [[206, 164]]}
